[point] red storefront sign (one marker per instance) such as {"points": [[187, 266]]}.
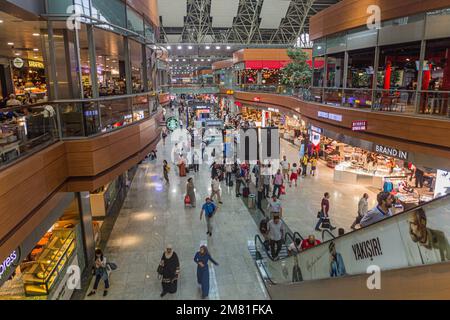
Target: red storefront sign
{"points": [[360, 125]]}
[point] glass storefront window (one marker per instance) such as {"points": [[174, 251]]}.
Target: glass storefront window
{"points": [[360, 68], [135, 22], [85, 63], [111, 11], [319, 65], [398, 66], [136, 66], [110, 55], [58, 6], [335, 70], [149, 33]]}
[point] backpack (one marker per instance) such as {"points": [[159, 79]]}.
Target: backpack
{"points": [[263, 225]]}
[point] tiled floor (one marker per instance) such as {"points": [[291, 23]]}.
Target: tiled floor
{"points": [[154, 215], [301, 204]]}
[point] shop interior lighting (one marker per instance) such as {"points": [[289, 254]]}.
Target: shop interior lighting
{"points": [[35, 49], [1, 21], [17, 54], [10, 43], [195, 60], [36, 34]]}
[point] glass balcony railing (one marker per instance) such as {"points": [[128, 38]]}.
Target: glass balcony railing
{"points": [[27, 129], [433, 103]]}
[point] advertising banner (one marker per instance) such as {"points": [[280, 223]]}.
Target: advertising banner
{"points": [[414, 238]]}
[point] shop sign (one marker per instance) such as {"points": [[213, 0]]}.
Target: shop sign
{"points": [[317, 129], [274, 110], [359, 125], [8, 266], [330, 116], [172, 123], [391, 152], [18, 63], [257, 99], [36, 64], [230, 92], [214, 123], [442, 183]]}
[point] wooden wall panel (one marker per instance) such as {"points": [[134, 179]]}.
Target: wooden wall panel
{"points": [[349, 14], [25, 187], [148, 8]]}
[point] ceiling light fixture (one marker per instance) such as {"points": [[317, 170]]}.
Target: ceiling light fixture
{"points": [[202, 60], [228, 47], [1, 21], [35, 49], [209, 60], [184, 60], [169, 47], [218, 47], [177, 60], [208, 47], [180, 47], [36, 34], [10, 43], [190, 47], [17, 54], [195, 60]]}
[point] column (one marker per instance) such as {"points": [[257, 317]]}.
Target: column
{"points": [[87, 229]]}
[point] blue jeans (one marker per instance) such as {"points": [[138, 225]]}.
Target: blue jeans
{"points": [[276, 188], [319, 223]]}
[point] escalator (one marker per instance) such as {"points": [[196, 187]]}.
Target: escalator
{"points": [[402, 257]]}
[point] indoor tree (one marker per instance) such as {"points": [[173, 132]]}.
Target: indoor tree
{"points": [[297, 74]]}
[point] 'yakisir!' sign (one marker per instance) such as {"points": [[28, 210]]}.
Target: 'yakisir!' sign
{"points": [[391, 152]]}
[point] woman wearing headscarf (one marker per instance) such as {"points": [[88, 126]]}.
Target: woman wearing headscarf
{"points": [[170, 271], [202, 259], [190, 191]]}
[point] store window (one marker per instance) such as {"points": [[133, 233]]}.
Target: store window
{"points": [[398, 66], [135, 22], [151, 71], [110, 55], [319, 66], [360, 68], [42, 266], [149, 32], [335, 70], [85, 63], [436, 78], [111, 11], [136, 66]]}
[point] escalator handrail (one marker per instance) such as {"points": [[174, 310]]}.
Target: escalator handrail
{"points": [[299, 235], [329, 232], [257, 237]]}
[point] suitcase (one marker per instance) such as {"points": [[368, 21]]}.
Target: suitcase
{"points": [[246, 192]]}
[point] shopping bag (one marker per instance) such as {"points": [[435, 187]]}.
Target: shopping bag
{"points": [[187, 200], [283, 190], [326, 223]]}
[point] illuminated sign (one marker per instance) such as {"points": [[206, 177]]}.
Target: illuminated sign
{"points": [[273, 110], [230, 92], [18, 63], [330, 116], [8, 266], [317, 129], [391, 152], [359, 125], [257, 99], [172, 123], [36, 64]]}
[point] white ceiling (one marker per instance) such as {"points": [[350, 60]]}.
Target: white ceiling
{"points": [[173, 12], [223, 12], [272, 12]]}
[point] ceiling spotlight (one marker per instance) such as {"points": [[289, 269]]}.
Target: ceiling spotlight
{"points": [[202, 60], [1, 21], [177, 60], [209, 60], [17, 54], [36, 34], [195, 60], [190, 47], [228, 47], [184, 60], [179, 47], [208, 47], [170, 60], [35, 57], [218, 47], [35, 49], [10, 43], [169, 47]]}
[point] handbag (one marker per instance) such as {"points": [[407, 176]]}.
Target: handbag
{"points": [[282, 190], [319, 214], [326, 223], [187, 200]]}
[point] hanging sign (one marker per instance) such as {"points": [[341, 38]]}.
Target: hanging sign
{"points": [[18, 63], [359, 125]]}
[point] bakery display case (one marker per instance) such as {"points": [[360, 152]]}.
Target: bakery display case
{"points": [[40, 275]]}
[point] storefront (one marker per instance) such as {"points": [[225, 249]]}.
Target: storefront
{"points": [[29, 77], [359, 162], [37, 269]]}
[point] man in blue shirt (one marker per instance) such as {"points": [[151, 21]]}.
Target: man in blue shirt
{"points": [[382, 211], [209, 209]]}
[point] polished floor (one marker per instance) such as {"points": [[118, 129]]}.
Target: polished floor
{"points": [[154, 215]]}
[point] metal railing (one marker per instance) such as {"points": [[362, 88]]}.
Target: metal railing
{"points": [[28, 129]]}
